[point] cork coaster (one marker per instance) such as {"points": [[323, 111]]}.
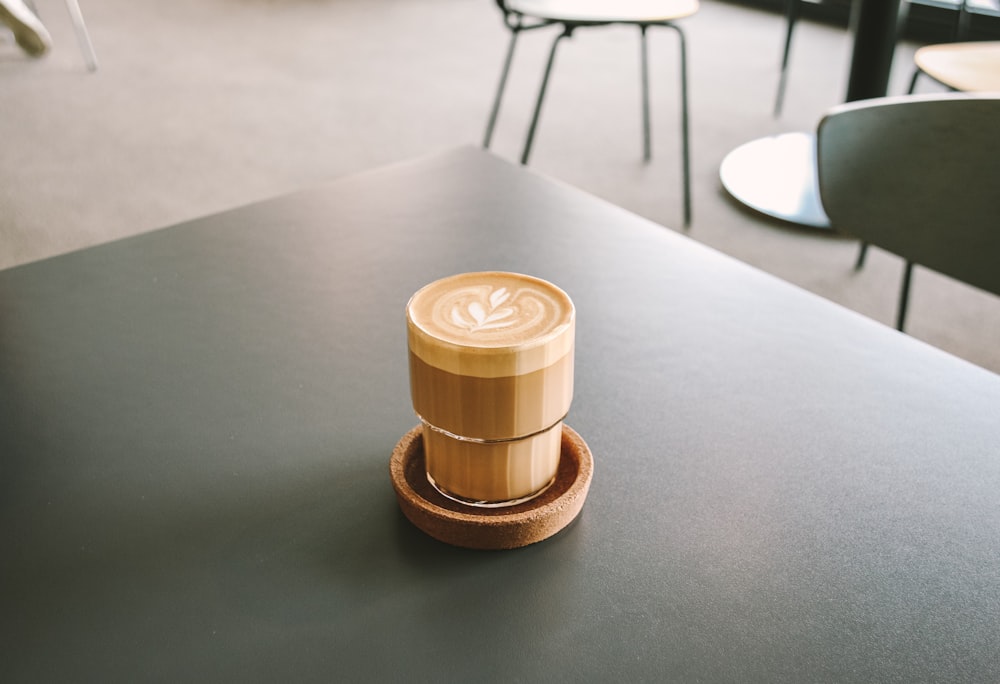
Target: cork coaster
{"points": [[491, 528]]}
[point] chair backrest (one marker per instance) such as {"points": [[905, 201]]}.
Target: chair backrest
{"points": [[918, 176]]}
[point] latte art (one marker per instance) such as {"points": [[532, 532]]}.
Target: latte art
{"points": [[494, 314], [490, 309], [479, 318], [490, 324]]}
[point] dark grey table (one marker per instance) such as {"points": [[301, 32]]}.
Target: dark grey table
{"points": [[195, 429]]}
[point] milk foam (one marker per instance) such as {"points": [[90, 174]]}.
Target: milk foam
{"points": [[490, 324]]}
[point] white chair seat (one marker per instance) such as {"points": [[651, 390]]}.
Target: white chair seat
{"points": [[605, 11], [970, 67]]}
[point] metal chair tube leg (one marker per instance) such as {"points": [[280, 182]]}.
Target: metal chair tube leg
{"points": [[685, 126], [862, 253], [646, 144], [567, 30], [501, 86], [904, 296], [901, 20], [962, 22], [81, 34], [791, 17]]}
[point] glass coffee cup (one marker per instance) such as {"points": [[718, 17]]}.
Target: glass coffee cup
{"points": [[491, 379]]}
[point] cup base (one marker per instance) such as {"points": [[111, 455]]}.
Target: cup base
{"points": [[491, 473], [488, 504], [508, 527]]}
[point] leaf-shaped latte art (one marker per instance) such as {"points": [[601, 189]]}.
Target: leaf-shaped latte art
{"points": [[456, 318], [477, 312], [475, 317], [500, 318], [499, 297], [494, 314]]}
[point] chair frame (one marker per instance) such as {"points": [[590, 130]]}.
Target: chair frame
{"points": [[80, 28], [955, 238], [863, 247], [82, 36], [917, 72], [793, 10], [518, 23]]}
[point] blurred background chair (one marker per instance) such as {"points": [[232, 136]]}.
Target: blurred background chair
{"points": [[965, 67], [961, 27], [570, 15], [82, 36], [793, 11], [969, 67], [916, 176], [80, 28]]}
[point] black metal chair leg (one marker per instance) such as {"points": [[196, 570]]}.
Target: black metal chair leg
{"points": [[647, 153], [791, 17], [685, 126], [685, 133], [491, 123], [962, 22], [902, 19], [862, 252], [904, 296], [567, 30]]}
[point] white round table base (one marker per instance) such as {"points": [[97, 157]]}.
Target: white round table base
{"points": [[776, 176]]}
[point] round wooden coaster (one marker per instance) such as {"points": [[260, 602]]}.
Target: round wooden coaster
{"points": [[491, 528]]}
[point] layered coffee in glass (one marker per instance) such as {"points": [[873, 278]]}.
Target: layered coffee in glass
{"points": [[491, 378]]}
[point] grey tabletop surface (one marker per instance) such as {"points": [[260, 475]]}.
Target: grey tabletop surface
{"points": [[196, 423]]}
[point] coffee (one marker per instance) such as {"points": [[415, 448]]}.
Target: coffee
{"points": [[491, 377], [474, 406], [492, 473]]}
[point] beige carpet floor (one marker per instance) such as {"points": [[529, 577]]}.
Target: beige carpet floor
{"points": [[203, 105]]}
